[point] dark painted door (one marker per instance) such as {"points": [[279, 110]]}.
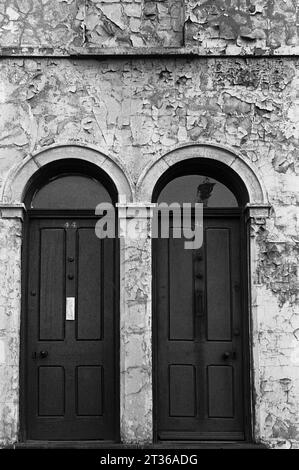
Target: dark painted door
{"points": [[70, 321], [199, 392]]}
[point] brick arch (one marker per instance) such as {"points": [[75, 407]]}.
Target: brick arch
{"points": [[245, 170], [16, 182]]}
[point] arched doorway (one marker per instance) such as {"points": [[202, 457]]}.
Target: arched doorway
{"points": [[200, 319], [70, 311]]}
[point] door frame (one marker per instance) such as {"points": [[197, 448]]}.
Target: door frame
{"points": [[246, 325], [57, 168]]}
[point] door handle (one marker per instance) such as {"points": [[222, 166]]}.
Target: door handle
{"points": [[43, 354], [227, 354]]}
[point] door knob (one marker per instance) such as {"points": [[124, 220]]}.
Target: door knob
{"points": [[43, 354], [226, 355]]}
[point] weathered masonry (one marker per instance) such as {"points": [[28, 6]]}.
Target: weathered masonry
{"points": [[135, 340]]}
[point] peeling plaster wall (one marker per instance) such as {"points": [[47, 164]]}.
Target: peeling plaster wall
{"points": [[136, 23], [137, 110], [140, 109], [243, 26], [203, 26], [135, 331], [44, 23], [276, 327], [10, 295]]}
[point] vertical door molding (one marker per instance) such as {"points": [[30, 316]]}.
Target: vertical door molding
{"points": [[11, 217], [135, 224], [256, 216]]}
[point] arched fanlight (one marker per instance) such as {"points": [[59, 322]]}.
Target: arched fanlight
{"points": [[70, 192], [198, 188]]}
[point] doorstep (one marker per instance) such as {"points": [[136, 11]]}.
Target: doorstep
{"points": [[158, 445]]}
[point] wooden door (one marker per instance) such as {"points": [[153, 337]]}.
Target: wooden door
{"points": [[199, 339], [72, 362]]}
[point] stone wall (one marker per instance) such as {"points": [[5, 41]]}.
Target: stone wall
{"points": [[201, 26], [136, 110]]}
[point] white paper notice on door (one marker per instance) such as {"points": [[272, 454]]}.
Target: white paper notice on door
{"points": [[70, 308]]}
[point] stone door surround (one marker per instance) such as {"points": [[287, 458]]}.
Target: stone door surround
{"points": [[136, 403]]}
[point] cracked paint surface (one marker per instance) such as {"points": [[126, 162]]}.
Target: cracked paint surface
{"points": [[202, 26], [275, 334], [10, 295], [138, 23], [140, 109], [44, 23], [135, 331], [242, 27], [137, 110]]}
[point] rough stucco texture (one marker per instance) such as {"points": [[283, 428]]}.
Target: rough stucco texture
{"points": [[206, 26], [137, 110]]}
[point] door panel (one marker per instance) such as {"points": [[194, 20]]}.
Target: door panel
{"points": [[89, 293], [51, 383], [182, 390], [52, 280], [220, 384], [89, 391], [72, 361], [180, 326], [198, 318], [218, 284]]}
